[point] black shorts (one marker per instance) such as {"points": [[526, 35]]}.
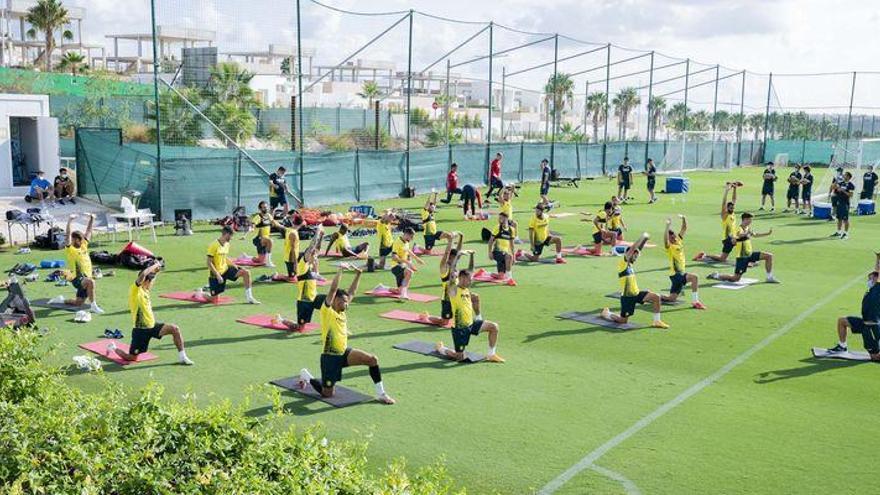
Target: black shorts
{"points": [[258, 243], [539, 247], [618, 231], [870, 333], [291, 269], [727, 246], [77, 283], [806, 194], [446, 309], [276, 201], [866, 194], [360, 248], [384, 250], [500, 258], [496, 183], [140, 338], [841, 210], [431, 239], [231, 274], [767, 189], [628, 303], [597, 238], [792, 193], [545, 189], [624, 184], [742, 264], [461, 337], [679, 280], [331, 367], [652, 183], [304, 311], [399, 271]]}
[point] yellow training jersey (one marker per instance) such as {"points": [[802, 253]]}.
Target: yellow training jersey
{"points": [[401, 249], [744, 247], [428, 222], [675, 252], [616, 220], [334, 331], [384, 231], [602, 218], [78, 259], [503, 237], [506, 207], [728, 227], [291, 248], [444, 282], [341, 243], [141, 307], [627, 277], [541, 226], [462, 309], [262, 223], [219, 254], [306, 285]]}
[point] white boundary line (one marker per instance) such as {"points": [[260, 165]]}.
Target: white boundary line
{"points": [[628, 486], [589, 459]]}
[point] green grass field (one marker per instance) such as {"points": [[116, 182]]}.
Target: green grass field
{"points": [[778, 422]]}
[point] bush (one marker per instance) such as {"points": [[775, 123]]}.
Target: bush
{"points": [[138, 133], [57, 439]]}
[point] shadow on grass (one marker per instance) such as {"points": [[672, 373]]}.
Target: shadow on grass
{"points": [[597, 328], [801, 241], [813, 366]]}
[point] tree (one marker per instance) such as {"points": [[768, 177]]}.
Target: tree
{"points": [[370, 91], [48, 16], [699, 121], [285, 66], [756, 122], [624, 102], [180, 124], [596, 108], [656, 107], [722, 120], [568, 133], [240, 125], [677, 117], [558, 92], [73, 62], [232, 102]]}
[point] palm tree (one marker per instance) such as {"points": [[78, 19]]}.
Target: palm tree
{"points": [[699, 121], [624, 102], [48, 16], [73, 62], [756, 122], [558, 92], [677, 117], [596, 108], [722, 120], [180, 124], [656, 107], [370, 91], [232, 102]]}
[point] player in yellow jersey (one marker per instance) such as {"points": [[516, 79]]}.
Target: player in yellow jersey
{"points": [[307, 272], [501, 248], [674, 244], [403, 257], [446, 271], [601, 225], [745, 255], [80, 264], [384, 230], [466, 317], [145, 327], [616, 225], [728, 226], [221, 269], [339, 241], [336, 354], [540, 236], [630, 295], [262, 222], [293, 223], [432, 235], [505, 204]]}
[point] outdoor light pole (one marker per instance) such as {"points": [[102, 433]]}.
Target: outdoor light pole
{"points": [[448, 63], [767, 119], [852, 95], [489, 133], [503, 97], [742, 116], [687, 77], [607, 102], [156, 67], [714, 118], [586, 106], [650, 110], [409, 94], [299, 90], [554, 91]]}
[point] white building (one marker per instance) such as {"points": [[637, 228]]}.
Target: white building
{"points": [[28, 142]]}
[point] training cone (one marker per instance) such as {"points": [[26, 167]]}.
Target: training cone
{"points": [[135, 248]]}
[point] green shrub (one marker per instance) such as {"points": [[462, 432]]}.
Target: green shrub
{"points": [[56, 439]]}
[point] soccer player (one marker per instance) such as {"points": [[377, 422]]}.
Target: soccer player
{"points": [[467, 320], [540, 237], [501, 248], [383, 229], [145, 327], [837, 179], [403, 268], [768, 188], [278, 190], [843, 190], [795, 178], [869, 183], [745, 255], [339, 241], [601, 223], [867, 325], [624, 180], [495, 181], [336, 354], [263, 223], [728, 226], [677, 275], [452, 184], [546, 175], [470, 196], [430, 224], [221, 269], [651, 173], [291, 242], [616, 223], [630, 295], [807, 191], [80, 276], [505, 204], [447, 269], [307, 272]]}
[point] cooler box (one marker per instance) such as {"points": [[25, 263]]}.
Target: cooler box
{"points": [[866, 207], [677, 185], [822, 210]]}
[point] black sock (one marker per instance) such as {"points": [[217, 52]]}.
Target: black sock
{"points": [[375, 374], [316, 385]]}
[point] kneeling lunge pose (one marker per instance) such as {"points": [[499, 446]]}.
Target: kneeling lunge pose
{"points": [[867, 325], [78, 260], [339, 241], [307, 272], [221, 269], [630, 295], [745, 255], [677, 275], [540, 236]]}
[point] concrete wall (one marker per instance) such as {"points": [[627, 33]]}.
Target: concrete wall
{"points": [[14, 105]]}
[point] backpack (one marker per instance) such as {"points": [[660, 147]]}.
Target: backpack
{"points": [[486, 234], [55, 238], [136, 261], [104, 257], [22, 269]]}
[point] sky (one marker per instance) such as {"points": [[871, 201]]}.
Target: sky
{"points": [[782, 36]]}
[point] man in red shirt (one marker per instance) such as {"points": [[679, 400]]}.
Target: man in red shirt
{"points": [[495, 175], [451, 183]]}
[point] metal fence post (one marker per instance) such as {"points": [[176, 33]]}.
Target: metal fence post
{"points": [[742, 116], [767, 119], [378, 140], [156, 65], [650, 110], [357, 174], [409, 96], [607, 102], [554, 87], [299, 89]]}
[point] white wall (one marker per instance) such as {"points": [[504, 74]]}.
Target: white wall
{"points": [[13, 105]]}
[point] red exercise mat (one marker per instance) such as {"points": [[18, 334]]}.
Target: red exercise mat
{"points": [[100, 348], [247, 262], [412, 296], [410, 317], [191, 297], [265, 321]]}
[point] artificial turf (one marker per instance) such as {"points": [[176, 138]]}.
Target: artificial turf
{"points": [[779, 422]]}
